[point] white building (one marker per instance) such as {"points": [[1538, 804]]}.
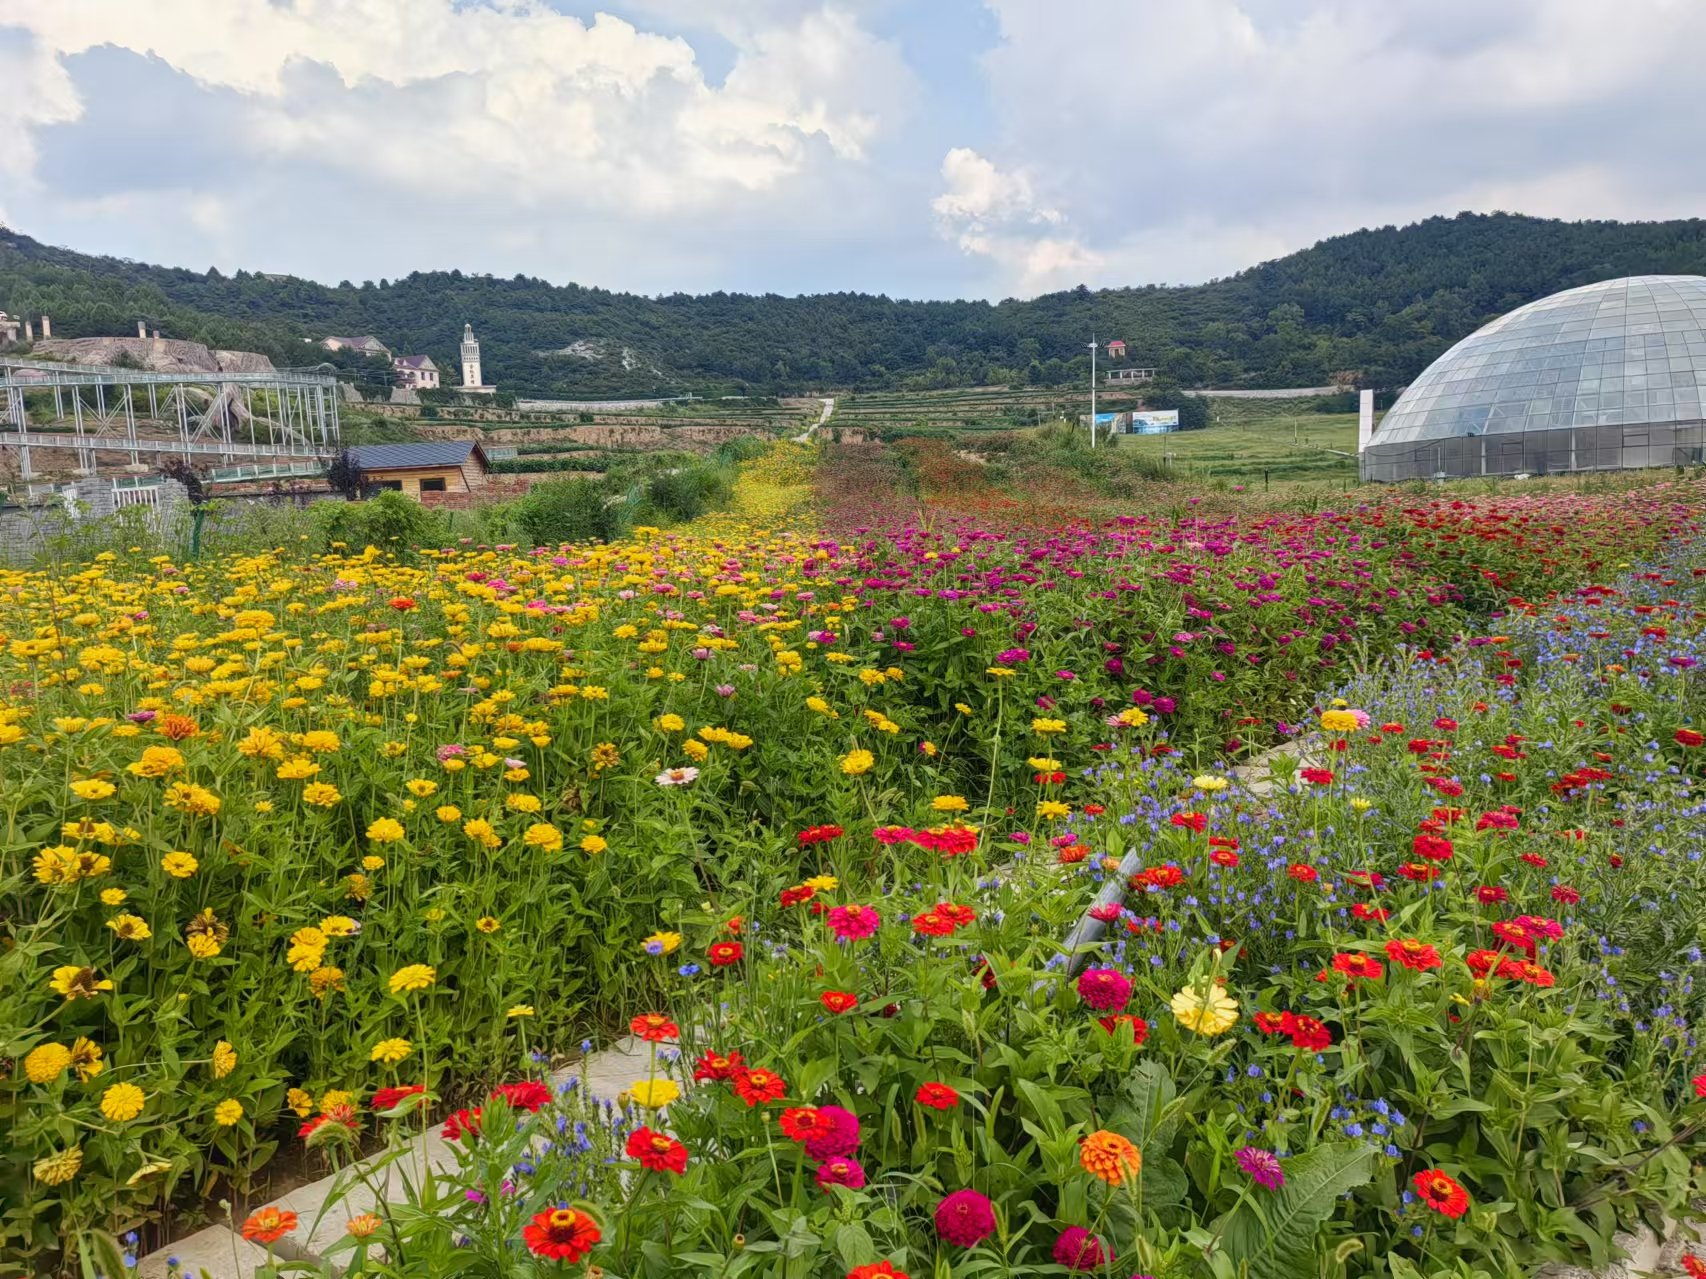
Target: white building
{"points": [[416, 372], [471, 383]]}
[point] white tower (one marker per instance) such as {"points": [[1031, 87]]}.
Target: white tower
{"points": [[470, 358]]}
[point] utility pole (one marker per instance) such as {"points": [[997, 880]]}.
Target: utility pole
{"points": [[1092, 391]]}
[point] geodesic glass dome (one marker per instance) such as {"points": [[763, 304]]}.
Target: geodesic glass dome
{"points": [[1609, 376]]}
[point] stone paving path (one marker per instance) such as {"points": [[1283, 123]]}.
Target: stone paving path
{"points": [[221, 1252]]}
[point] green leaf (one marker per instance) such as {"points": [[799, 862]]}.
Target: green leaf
{"points": [[1286, 1247], [854, 1246], [1146, 1118]]}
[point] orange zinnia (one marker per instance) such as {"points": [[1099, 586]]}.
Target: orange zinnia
{"points": [[268, 1225], [1109, 1157]]}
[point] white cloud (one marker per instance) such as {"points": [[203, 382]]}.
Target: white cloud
{"points": [[509, 99], [1250, 128], [995, 213]]}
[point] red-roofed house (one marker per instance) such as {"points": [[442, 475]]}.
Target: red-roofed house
{"points": [[1116, 350]]}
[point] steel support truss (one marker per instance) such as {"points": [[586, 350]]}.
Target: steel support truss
{"points": [[214, 418]]}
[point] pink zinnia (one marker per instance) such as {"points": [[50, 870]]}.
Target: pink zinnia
{"points": [[839, 1137], [840, 1171], [1078, 1249], [853, 923], [965, 1218], [1104, 989], [1261, 1167]]}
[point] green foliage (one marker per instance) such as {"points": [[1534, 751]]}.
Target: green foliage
{"points": [[574, 510], [1382, 302], [389, 521]]}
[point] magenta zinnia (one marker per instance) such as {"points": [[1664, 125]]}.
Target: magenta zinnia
{"points": [[853, 923], [1104, 989], [965, 1218]]}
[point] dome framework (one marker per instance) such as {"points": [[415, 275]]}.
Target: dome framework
{"points": [[1609, 376]]}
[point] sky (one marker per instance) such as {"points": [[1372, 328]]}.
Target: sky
{"points": [[917, 148]]}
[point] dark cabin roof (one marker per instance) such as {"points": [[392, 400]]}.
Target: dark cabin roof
{"points": [[402, 457]]}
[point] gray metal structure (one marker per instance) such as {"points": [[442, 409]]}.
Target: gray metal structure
{"points": [[1606, 377], [211, 418]]}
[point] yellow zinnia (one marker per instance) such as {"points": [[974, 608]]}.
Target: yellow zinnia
{"points": [[46, 1063], [122, 1102], [390, 1051], [654, 1093], [857, 762], [413, 977], [1206, 1016]]}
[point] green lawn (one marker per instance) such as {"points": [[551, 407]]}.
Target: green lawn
{"points": [[1299, 446]]}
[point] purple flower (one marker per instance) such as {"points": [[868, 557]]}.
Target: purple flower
{"points": [[1261, 1167]]}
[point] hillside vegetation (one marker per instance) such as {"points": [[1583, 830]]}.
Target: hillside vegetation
{"points": [[1382, 302]]}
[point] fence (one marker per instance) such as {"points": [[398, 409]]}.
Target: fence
{"points": [[1556, 451]]}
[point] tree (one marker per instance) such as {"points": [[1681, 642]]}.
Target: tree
{"points": [[346, 476], [176, 468]]}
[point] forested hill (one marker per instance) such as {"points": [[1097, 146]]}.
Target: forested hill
{"points": [[1382, 302]]}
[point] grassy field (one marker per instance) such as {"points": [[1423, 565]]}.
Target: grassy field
{"points": [[1246, 447]]}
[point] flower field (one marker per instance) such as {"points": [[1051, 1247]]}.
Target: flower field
{"points": [[307, 853]]}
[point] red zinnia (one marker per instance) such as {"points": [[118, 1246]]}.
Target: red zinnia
{"points": [[717, 1067], [723, 953], [755, 1087], [877, 1270], [819, 835], [1432, 848], [1491, 894], [463, 1122], [801, 1123], [389, 1098], [932, 923], [1303, 874], [565, 1234], [1224, 857], [1441, 1193], [957, 915], [1413, 954], [1355, 964], [657, 1150], [1139, 1027], [655, 1028], [1309, 1035], [1482, 962], [838, 1001], [529, 1095], [1689, 737], [1699, 1082], [1190, 821], [936, 1096], [1377, 914]]}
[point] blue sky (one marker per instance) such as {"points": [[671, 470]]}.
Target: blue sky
{"points": [[920, 148]]}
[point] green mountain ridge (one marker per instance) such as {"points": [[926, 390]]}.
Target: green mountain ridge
{"points": [[1381, 302]]}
